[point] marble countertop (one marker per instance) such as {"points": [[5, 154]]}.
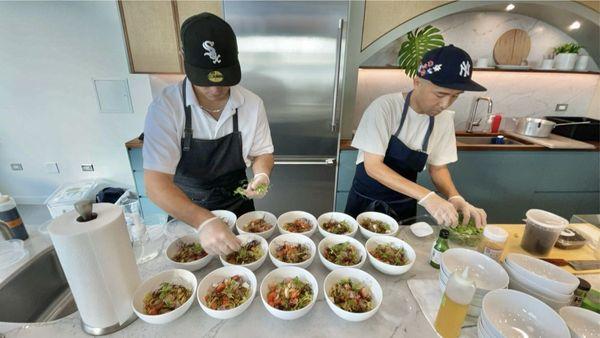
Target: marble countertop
{"points": [[398, 316]]}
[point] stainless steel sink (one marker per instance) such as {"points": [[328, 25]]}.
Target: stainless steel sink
{"points": [[37, 292], [487, 140]]}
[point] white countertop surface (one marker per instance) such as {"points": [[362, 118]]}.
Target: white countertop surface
{"points": [[398, 316]]}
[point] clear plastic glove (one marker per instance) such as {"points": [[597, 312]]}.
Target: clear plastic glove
{"points": [[257, 188], [469, 211], [216, 238], [442, 210]]}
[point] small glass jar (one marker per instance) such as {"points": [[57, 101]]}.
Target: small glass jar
{"points": [[581, 291], [493, 242]]}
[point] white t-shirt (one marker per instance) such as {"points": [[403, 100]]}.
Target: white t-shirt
{"points": [[165, 122], [382, 118]]}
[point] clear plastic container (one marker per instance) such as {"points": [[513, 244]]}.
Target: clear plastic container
{"points": [[542, 229], [63, 198]]}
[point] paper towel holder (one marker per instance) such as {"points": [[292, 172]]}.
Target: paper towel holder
{"points": [[101, 331], [84, 209]]}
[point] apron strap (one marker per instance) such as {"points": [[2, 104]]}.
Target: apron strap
{"points": [[235, 121], [428, 134], [404, 113], [403, 119], [187, 130]]}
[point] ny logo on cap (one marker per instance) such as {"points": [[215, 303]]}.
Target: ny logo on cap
{"points": [[465, 69], [211, 52]]}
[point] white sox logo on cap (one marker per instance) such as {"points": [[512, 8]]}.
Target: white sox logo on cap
{"points": [[465, 69], [211, 52]]}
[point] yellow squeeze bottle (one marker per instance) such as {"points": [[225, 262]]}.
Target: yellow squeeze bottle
{"points": [[455, 304]]}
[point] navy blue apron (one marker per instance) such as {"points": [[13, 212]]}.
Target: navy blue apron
{"points": [[367, 194], [209, 171]]}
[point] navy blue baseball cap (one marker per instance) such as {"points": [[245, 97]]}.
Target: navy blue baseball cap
{"points": [[449, 67]]}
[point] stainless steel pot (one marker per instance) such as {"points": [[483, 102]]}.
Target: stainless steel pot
{"points": [[538, 127]]}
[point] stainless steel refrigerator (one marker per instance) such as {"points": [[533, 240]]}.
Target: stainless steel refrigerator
{"points": [[291, 54]]}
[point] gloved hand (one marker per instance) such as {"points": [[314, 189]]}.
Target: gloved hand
{"points": [[442, 210], [469, 211], [258, 180], [216, 238]]}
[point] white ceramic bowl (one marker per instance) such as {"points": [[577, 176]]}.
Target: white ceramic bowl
{"points": [[396, 242], [355, 275], [542, 273], [243, 220], [484, 271], [229, 217], [336, 239], [378, 217], [291, 216], [510, 313], [538, 290], [190, 266], [337, 216], [582, 323], [554, 303], [279, 275], [219, 275], [292, 238], [175, 276], [245, 238]]}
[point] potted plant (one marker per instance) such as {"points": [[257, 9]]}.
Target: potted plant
{"points": [[566, 55], [418, 42]]}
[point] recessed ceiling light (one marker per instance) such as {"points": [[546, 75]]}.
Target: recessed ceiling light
{"points": [[510, 7], [575, 25]]}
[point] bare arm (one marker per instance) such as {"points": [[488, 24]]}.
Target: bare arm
{"points": [[440, 175], [163, 192], [263, 164], [387, 176]]}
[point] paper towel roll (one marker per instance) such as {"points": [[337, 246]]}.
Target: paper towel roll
{"points": [[99, 264]]}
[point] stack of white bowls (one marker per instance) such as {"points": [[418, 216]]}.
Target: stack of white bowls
{"points": [[487, 274], [510, 313], [550, 284]]}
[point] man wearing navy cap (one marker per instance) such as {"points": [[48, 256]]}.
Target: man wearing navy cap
{"points": [[202, 133], [400, 133]]}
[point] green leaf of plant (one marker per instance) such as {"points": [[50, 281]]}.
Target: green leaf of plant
{"points": [[418, 42]]}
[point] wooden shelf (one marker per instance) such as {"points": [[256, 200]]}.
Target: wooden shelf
{"points": [[499, 70]]}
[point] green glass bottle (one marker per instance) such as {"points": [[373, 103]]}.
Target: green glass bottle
{"points": [[439, 247]]}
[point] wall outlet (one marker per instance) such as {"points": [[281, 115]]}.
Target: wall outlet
{"points": [[16, 166], [51, 168], [561, 107], [87, 167]]}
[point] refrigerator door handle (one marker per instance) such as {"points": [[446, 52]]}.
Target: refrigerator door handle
{"points": [[320, 161], [338, 56]]}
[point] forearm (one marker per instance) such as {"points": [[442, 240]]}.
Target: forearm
{"points": [[391, 179], [441, 178], [263, 164], [163, 192]]}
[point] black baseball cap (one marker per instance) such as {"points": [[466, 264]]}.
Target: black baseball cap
{"points": [[449, 67], [210, 53]]}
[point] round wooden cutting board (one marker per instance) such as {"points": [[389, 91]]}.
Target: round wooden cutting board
{"points": [[512, 47]]}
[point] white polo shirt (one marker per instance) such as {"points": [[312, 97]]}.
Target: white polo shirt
{"points": [[165, 122], [382, 118]]}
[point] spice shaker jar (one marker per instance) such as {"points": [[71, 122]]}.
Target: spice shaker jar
{"points": [[493, 242]]}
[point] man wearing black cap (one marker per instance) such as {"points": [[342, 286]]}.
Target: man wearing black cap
{"points": [[202, 133], [400, 133]]}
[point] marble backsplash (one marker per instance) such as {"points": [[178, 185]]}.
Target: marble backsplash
{"points": [[477, 32], [515, 94]]}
